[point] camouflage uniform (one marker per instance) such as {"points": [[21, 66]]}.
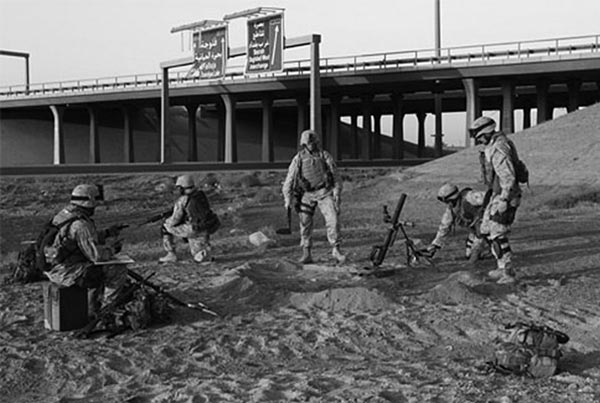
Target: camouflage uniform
{"points": [[85, 247], [499, 172], [316, 173], [181, 224], [465, 213]]}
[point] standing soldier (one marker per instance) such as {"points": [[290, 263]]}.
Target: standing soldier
{"points": [[191, 219], [312, 179], [499, 158], [465, 209], [79, 247]]}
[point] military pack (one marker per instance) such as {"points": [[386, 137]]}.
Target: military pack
{"points": [[32, 261], [531, 350], [203, 218]]}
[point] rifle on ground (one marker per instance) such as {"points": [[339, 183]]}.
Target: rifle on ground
{"points": [[199, 306], [379, 252], [107, 310]]}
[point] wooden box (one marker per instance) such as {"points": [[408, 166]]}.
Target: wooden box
{"points": [[65, 308]]}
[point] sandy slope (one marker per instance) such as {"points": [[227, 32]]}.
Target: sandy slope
{"points": [[320, 332]]}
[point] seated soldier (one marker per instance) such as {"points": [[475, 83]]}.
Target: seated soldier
{"points": [[465, 209], [192, 219], [79, 247]]}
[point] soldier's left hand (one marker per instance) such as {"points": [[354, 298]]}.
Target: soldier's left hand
{"points": [[501, 206]]}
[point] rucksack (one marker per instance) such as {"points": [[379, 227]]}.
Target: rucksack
{"points": [[31, 261], [521, 171], [203, 218], [530, 350]]}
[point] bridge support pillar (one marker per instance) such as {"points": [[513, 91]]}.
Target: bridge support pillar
{"points": [[220, 107], [192, 151], [438, 145], [355, 139], [473, 106], [267, 129], [377, 135], [128, 148], [302, 116], [398, 127], [367, 107], [164, 116], [421, 134], [573, 86], [508, 107], [94, 141], [526, 117], [59, 135], [542, 105], [230, 129], [334, 130]]}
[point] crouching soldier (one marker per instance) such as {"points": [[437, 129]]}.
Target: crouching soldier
{"points": [[78, 248], [465, 209], [498, 167], [313, 180], [191, 219]]}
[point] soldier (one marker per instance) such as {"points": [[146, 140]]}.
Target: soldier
{"points": [[465, 209], [498, 158], [313, 173], [191, 219], [79, 247]]}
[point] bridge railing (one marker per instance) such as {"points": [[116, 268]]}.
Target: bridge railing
{"points": [[507, 52]]}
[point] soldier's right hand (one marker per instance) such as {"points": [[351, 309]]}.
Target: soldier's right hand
{"points": [[432, 249]]}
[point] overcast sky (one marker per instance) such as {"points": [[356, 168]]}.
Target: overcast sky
{"points": [[71, 39], [78, 39]]}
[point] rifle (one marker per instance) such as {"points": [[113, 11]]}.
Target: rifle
{"points": [[379, 252], [156, 217], [107, 310], [199, 306]]}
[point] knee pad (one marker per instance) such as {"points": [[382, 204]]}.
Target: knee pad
{"points": [[500, 246]]}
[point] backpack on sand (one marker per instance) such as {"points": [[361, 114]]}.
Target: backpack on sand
{"points": [[530, 350], [31, 261]]}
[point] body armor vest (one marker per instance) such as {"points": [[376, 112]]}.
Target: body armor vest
{"points": [[466, 213], [314, 173]]}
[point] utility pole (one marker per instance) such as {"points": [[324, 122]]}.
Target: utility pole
{"points": [[438, 35]]}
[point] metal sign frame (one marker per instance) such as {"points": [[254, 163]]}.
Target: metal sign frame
{"points": [[265, 43], [212, 62]]}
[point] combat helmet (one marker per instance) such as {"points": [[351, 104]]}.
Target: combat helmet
{"points": [[86, 195], [482, 125], [447, 193], [184, 182], [308, 136]]}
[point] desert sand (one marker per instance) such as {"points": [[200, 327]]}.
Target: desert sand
{"points": [[325, 332]]}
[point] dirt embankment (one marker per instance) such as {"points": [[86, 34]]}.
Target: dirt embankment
{"points": [[321, 332]]}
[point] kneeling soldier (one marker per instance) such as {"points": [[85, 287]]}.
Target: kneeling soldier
{"points": [[465, 209], [191, 219]]}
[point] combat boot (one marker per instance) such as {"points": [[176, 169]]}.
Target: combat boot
{"points": [[203, 256], [170, 257], [339, 256], [306, 256], [508, 277]]}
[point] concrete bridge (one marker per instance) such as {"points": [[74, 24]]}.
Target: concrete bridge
{"points": [[541, 75]]}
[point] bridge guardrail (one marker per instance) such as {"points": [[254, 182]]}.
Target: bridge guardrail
{"points": [[522, 51]]}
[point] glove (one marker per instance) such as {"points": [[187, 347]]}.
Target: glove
{"points": [[501, 206], [432, 249], [287, 203]]}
